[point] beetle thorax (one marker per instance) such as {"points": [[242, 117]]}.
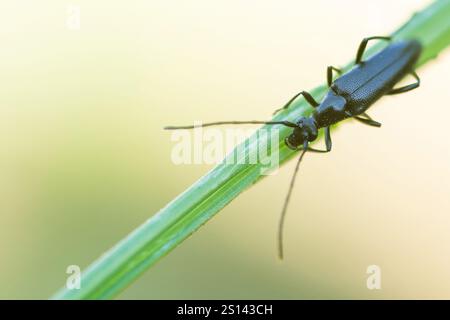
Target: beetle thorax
{"points": [[331, 110]]}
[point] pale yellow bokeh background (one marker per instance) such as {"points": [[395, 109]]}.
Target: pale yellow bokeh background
{"points": [[83, 158]]}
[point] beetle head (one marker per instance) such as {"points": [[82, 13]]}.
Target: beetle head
{"points": [[306, 130]]}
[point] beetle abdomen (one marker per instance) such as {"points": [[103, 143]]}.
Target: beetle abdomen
{"points": [[373, 78]]}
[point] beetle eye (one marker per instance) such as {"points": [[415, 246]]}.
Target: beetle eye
{"points": [[289, 144]]}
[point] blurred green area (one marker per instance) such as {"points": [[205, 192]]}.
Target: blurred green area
{"points": [[84, 161]]}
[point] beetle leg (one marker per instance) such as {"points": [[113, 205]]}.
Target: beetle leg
{"points": [[330, 74], [367, 120], [308, 97], [366, 116], [363, 44], [408, 87], [328, 143]]}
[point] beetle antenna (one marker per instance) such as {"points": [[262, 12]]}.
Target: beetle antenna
{"points": [[285, 123], [286, 202]]}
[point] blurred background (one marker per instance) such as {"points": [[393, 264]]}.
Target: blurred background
{"points": [[84, 159]]}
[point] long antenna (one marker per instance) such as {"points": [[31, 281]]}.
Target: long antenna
{"points": [[285, 123], [286, 202]]}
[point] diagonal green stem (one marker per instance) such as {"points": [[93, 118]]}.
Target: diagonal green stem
{"points": [[121, 265]]}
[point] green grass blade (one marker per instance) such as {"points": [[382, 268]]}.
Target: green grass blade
{"points": [[121, 265]]}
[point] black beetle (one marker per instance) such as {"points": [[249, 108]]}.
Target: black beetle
{"points": [[354, 92], [349, 96]]}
